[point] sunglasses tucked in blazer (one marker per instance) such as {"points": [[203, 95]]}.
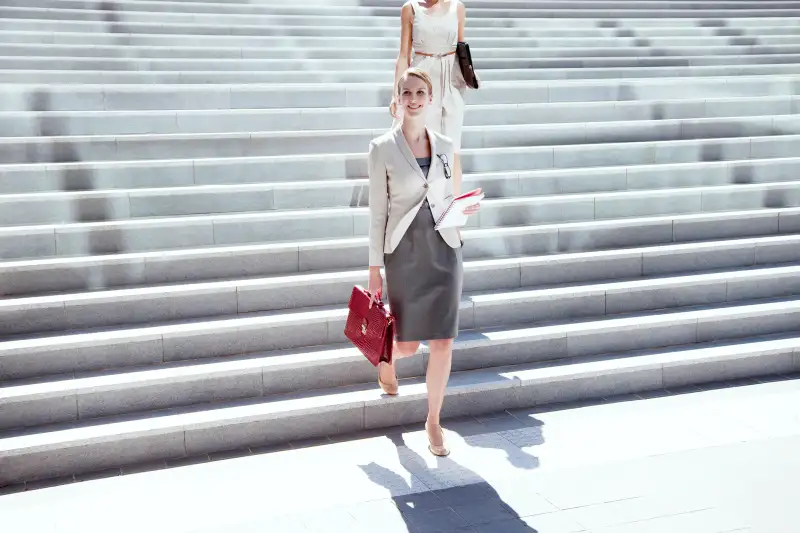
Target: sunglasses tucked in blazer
{"points": [[398, 187]]}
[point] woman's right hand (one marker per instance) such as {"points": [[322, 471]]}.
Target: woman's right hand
{"points": [[375, 286], [393, 108]]}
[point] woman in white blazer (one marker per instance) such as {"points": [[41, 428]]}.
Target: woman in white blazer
{"points": [[410, 186]]}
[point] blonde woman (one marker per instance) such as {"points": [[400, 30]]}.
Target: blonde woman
{"points": [[410, 186], [429, 33]]}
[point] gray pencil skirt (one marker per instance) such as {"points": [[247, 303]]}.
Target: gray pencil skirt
{"points": [[424, 278]]}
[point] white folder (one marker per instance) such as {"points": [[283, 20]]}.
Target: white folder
{"points": [[453, 216]]}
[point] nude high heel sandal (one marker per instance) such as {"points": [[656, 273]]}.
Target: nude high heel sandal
{"points": [[439, 450], [388, 388]]}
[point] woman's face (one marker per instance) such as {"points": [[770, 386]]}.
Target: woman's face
{"points": [[414, 96]]}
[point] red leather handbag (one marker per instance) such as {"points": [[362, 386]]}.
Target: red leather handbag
{"points": [[370, 330]]}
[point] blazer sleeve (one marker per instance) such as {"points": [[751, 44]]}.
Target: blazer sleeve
{"points": [[378, 204]]}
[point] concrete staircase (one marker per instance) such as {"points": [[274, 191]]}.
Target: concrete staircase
{"points": [[183, 214]]}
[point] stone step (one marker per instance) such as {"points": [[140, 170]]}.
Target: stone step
{"points": [[80, 123], [384, 8], [294, 38], [309, 15], [493, 308], [17, 150], [33, 277], [97, 97], [83, 447]]}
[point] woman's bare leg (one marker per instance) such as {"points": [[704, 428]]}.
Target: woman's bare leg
{"points": [[404, 349], [438, 374], [401, 349]]}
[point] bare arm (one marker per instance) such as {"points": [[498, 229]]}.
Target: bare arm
{"points": [[404, 57], [462, 20]]}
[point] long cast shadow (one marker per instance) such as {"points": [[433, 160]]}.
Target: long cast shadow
{"points": [[473, 505]]}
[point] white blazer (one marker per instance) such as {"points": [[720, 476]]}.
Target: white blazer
{"points": [[398, 187]]}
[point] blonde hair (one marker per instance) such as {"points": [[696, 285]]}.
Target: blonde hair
{"points": [[415, 72]]}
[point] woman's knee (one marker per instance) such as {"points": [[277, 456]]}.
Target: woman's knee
{"points": [[440, 346], [407, 348]]}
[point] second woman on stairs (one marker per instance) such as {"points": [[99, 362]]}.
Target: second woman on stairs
{"points": [[429, 33]]}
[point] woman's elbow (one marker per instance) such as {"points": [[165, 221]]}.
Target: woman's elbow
{"points": [[404, 60]]}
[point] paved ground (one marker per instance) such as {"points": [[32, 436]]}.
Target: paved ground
{"points": [[702, 461]]}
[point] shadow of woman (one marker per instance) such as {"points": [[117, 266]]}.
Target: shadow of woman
{"points": [[472, 504], [75, 179]]}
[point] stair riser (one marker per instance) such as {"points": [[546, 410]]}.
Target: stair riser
{"points": [[215, 77], [30, 124], [119, 273], [243, 97], [408, 409]]}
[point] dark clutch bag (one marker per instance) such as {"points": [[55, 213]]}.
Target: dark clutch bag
{"points": [[465, 62], [370, 330]]}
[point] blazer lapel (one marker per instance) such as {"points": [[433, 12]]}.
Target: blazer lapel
{"points": [[405, 149]]}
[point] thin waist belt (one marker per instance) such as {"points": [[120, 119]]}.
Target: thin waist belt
{"points": [[435, 55]]}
